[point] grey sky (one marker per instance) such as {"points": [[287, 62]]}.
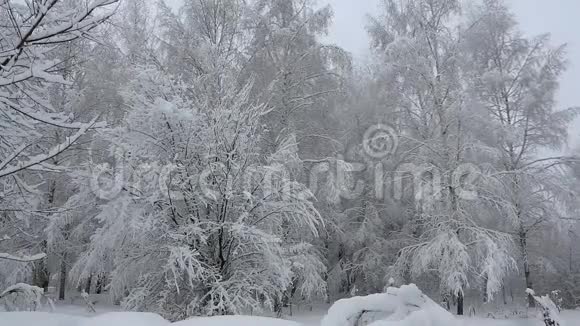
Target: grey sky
{"points": [[560, 18], [557, 17]]}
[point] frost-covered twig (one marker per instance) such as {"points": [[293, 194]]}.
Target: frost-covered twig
{"points": [[22, 259], [67, 143]]}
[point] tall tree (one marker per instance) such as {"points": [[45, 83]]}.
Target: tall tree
{"points": [[421, 45], [34, 32], [214, 225], [516, 80]]}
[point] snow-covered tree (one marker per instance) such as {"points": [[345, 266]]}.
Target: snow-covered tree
{"points": [[515, 80], [299, 71], [33, 51], [34, 31], [198, 225], [421, 45], [192, 199]]}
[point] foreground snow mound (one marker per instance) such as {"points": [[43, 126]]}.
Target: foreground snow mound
{"points": [[404, 306], [28, 318], [235, 321], [125, 319]]}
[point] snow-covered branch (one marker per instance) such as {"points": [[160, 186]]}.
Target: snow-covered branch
{"points": [[38, 159], [22, 259]]}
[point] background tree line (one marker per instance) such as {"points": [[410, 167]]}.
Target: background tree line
{"points": [[98, 99]]}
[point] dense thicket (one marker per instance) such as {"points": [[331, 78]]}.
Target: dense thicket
{"points": [[222, 159]]}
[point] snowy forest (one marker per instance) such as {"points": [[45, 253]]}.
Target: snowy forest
{"points": [[223, 158]]}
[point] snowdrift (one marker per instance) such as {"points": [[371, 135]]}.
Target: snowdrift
{"points": [[27, 318], [131, 319], [235, 321], [125, 319], [404, 306]]}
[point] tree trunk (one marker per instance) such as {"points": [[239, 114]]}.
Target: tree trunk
{"points": [[62, 285], [88, 285], [445, 298], [278, 307], [40, 273], [529, 284], [485, 296], [503, 292], [100, 283], [512, 294], [460, 304]]}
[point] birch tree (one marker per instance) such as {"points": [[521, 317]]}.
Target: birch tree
{"points": [[516, 81], [420, 43]]}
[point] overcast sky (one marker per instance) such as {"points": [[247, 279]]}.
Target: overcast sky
{"points": [[557, 17], [560, 18]]}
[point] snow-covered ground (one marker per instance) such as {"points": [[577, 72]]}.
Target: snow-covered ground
{"points": [[76, 316], [404, 306], [569, 318]]}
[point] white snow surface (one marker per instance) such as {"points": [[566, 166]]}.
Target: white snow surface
{"points": [[78, 315], [26, 318], [131, 319], [235, 321], [125, 319], [569, 318], [404, 306]]}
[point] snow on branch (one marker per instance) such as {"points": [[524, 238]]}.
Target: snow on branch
{"points": [[26, 296], [47, 27], [27, 68], [550, 312], [46, 118], [38, 159], [22, 259], [22, 288]]}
